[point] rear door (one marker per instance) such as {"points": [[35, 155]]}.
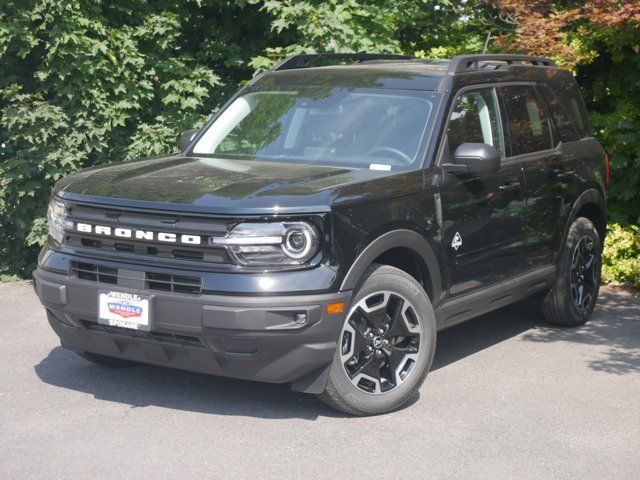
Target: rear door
{"points": [[482, 216], [546, 171]]}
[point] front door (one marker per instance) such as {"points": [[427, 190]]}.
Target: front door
{"points": [[482, 217]]}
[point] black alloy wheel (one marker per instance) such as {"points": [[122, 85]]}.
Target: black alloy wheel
{"points": [[584, 268], [385, 345], [574, 292], [380, 342]]}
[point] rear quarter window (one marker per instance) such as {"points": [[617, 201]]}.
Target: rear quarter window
{"points": [[565, 90], [565, 127], [574, 104]]}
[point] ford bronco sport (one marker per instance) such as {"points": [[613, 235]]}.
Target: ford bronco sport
{"points": [[335, 214]]}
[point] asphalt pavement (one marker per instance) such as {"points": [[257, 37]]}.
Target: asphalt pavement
{"points": [[508, 398]]}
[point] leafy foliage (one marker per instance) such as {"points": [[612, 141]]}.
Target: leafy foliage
{"points": [[86, 82], [621, 256], [330, 26]]}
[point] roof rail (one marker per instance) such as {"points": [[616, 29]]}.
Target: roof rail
{"points": [[464, 63], [308, 60]]}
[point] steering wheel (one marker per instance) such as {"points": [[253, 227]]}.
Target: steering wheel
{"points": [[397, 153]]}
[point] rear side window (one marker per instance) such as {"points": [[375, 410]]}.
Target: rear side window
{"points": [[528, 120], [475, 118], [574, 104], [567, 129], [561, 89]]}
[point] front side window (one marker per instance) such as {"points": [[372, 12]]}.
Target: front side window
{"points": [[476, 119], [528, 122], [362, 128]]}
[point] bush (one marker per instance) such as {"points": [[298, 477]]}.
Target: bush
{"points": [[621, 256]]}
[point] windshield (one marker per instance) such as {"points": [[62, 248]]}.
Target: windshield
{"points": [[363, 128]]}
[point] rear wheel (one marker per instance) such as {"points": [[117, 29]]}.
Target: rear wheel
{"points": [[386, 345], [105, 361], [575, 293]]}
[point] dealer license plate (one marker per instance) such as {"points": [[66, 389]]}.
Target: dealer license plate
{"points": [[122, 309]]}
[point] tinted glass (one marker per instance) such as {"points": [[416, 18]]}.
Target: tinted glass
{"points": [[476, 119], [528, 120], [564, 126], [575, 106], [380, 129]]}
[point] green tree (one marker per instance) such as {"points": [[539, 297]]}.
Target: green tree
{"points": [[86, 82]]}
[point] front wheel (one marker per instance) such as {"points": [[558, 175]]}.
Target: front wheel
{"points": [[386, 345], [575, 292]]}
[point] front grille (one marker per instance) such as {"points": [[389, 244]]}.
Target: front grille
{"points": [[168, 282], [203, 226], [164, 282], [94, 273], [185, 340]]}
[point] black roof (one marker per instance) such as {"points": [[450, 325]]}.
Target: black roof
{"points": [[398, 72]]}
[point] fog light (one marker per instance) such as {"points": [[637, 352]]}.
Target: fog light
{"points": [[300, 318]]}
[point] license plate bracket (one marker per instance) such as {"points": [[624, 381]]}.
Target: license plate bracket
{"points": [[124, 309]]}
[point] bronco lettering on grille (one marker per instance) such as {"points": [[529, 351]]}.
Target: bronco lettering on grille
{"points": [[119, 232]]}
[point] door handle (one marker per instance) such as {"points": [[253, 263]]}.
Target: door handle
{"points": [[510, 187]]}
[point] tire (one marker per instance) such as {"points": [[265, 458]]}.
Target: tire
{"points": [[398, 306], [565, 305], [105, 361]]}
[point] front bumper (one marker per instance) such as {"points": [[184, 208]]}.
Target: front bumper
{"points": [[247, 337]]}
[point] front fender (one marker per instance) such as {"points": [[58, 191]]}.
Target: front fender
{"points": [[401, 238]]}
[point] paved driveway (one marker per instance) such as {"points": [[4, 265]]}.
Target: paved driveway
{"points": [[508, 398]]}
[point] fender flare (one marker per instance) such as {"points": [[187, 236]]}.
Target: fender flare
{"points": [[591, 195], [402, 238]]}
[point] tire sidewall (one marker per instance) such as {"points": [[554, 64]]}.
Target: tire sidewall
{"points": [[580, 228]]}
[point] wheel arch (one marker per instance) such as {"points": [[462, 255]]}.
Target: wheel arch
{"points": [[590, 204], [404, 249]]}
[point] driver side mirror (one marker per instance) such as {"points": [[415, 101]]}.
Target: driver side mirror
{"points": [[474, 158], [187, 137]]}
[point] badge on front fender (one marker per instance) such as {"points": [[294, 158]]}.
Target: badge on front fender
{"points": [[456, 243]]}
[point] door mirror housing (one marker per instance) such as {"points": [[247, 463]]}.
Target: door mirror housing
{"points": [[187, 137], [474, 158]]}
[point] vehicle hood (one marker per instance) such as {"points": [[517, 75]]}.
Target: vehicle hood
{"points": [[212, 185]]}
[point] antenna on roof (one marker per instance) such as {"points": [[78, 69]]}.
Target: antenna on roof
{"points": [[486, 43]]}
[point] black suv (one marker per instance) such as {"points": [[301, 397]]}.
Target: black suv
{"points": [[329, 219]]}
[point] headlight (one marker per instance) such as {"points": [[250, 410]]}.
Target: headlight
{"points": [[264, 244], [58, 222]]}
